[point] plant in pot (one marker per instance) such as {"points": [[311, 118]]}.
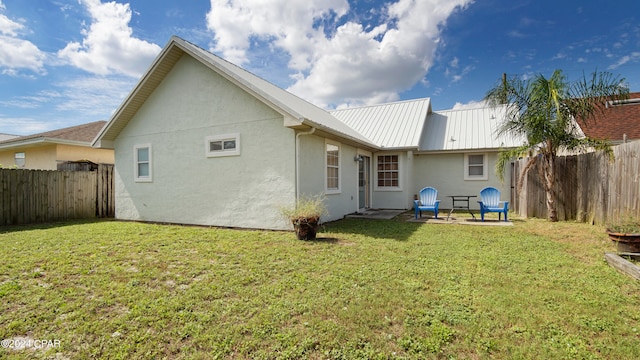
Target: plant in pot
{"points": [[626, 234], [305, 216]]}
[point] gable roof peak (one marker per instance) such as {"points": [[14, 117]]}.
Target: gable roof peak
{"points": [[289, 105]]}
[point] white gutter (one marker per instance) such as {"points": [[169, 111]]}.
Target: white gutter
{"points": [[298, 159]]}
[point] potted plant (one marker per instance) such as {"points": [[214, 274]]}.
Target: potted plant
{"points": [[305, 216], [626, 234]]}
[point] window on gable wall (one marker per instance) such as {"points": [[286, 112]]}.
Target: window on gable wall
{"points": [[332, 160], [223, 145], [142, 163], [475, 167], [388, 171]]}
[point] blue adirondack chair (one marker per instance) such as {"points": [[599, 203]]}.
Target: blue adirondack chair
{"points": [[427, 202], [491, 203]]}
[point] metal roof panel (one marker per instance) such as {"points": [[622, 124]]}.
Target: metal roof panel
{"points": [[392, 125], [468, 129]]}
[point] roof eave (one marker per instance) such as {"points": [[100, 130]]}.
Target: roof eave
{"points": [[348, 138], [469, 150], [43, 141]]}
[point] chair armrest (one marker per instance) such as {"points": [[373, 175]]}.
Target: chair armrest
{"points": [[506, 205], [416, 203]]}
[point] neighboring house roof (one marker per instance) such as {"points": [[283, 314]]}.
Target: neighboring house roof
{"points": [[4, 137], [81, 135], [296, 110], [392, 125], [468, 129], [619, 118]]}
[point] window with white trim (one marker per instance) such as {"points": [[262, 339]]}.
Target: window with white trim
{"points": [[223, 145], [142, 163], [475, 167], [332, 166], [388, 171]]}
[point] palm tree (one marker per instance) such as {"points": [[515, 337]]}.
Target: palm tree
{"points": [[544, 112]]}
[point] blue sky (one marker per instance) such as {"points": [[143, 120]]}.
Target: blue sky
{"points": [[67, 62]]}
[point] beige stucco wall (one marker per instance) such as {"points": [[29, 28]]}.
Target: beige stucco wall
{"points": [[75, 153], [7, 158], [41, 157], [47, 157], [445, 172], [192, 103]]}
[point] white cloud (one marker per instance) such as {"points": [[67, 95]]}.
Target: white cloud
{"points": [[31, 101], [453, 70], [24, 125], [634, 56], [8, 26], [516, 34], [336, 60], [93, 97], [108, 46], [470, 105], [17, 53]]}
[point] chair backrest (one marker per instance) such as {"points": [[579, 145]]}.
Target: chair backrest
{"points": [[490, 196], [428, 196]]}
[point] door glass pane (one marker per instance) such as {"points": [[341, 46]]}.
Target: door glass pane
{"points": [[361, 185]]}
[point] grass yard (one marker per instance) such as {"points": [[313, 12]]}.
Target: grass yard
{"points": [[369, 289]]}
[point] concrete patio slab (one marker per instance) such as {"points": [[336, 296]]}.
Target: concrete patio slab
{"points": [[408, 215], [458, 220], [380, 214]]}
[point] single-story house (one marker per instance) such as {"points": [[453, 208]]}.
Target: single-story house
{"points": [[200, 140], [44, 151], [618, 123]]}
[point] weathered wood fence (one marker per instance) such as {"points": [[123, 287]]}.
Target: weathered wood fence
{"points": [[589, 187], [35, 196]]}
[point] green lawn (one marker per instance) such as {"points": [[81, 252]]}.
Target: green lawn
{"points": [[368, 289]]}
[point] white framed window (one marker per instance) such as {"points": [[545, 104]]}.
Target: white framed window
{"points": [[388, 172], [222, 145], [20, 159], [142, 163], [332, 167], [475, 167]]}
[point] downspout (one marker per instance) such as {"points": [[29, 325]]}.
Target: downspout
{"points": [[298, 159]]}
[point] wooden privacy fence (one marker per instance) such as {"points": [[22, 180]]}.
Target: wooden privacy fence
{"points": [[34, 196], [589, 187]]}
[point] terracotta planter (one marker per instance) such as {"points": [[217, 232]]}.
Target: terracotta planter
{"points": [[626, 242], [306, 228]]}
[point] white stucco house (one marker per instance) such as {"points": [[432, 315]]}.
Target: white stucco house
{"points": [[200, 140]]}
